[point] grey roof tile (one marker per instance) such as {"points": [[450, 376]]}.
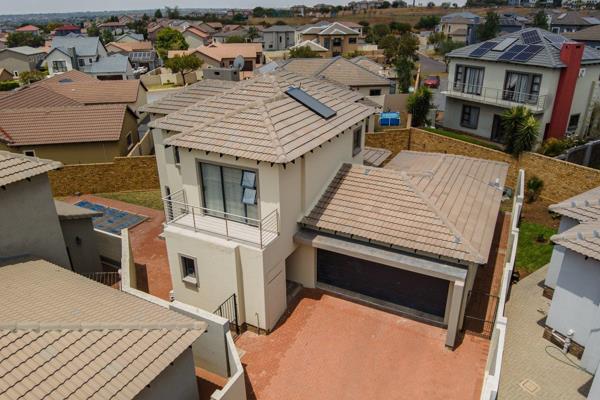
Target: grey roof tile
{"points": [[16, 167]]}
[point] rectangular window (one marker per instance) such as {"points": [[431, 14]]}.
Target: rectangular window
{"points": [[229, 192], [352, 40], [29, 153], [469, 117], [468, 79], [81, 62], [59, 66], [176, 155], [573, 123], [356, 141], [337, 41], [375, 92], [188, 269], [129, 141], [327, 43], [521, 87]]}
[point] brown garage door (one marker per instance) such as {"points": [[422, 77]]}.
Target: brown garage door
{"points": [[394, 285]]}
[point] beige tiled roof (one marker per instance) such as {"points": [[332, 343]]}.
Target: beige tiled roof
{"points": [[17, 167], [132, 46], [583, 238], [73, 75], [98, 91], [65, 336], [374, 157], [188, 96], [68, 211], [447, 210], [219, 51], [337, 69], [583, 207], [34, 97], [72, 124], [258, 121]]}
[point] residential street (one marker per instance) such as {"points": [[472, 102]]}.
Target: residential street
{"points": [[429, 66]]}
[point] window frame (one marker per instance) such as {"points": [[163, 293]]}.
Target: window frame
{"points": [[352, 40], [192, 279], [338, 40], [357, 133], [377, 92], [570, 128], [461, 85], [534, 86], [462, 116], [29, 150], [56, 63]]}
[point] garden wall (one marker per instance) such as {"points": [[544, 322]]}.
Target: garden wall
{"points": [[123, 174], [561, 179]]}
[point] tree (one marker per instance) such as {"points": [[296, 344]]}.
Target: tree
{"points": [[490, 28], [252, 33], [389, 45], [445, 5], [520, 130], [408, 45], [235, 39], [169, 39], [173, 13], [431, 4], [419, 104], [540, 20], [404, 72], [376, 32], [16, 39], [158, 14], [93, 30], [258, 12], [27, 77], [303, 52], [385, 4], [427, 22], [183, 64], [399, 27], [107, 36]]}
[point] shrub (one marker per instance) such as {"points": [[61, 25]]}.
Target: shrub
{"points": [[520, 130], [553, 147], [533, 189], [8, 85], [419, 104]]}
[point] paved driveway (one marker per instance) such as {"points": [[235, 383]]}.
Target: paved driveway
{"points": [[331, 348]]}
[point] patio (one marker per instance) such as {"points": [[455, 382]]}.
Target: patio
{"points": [[330, 347]]}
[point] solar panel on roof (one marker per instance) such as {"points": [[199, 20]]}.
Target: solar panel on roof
{"points": [[510, 53], [528, 53], [310, 102], [531, 37], [481, 50], [504, 44]]}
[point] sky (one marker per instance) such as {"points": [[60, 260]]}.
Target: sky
{"points": [[47, 6]]}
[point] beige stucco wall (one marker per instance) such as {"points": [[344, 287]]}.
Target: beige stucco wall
{"points": [[16, 62], [80, 239], [301, 266], [192, 40], [57, 56], [346, 46]]}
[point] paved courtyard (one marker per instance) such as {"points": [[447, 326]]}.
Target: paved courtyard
{"points": [[532, 367], [332, 348]]}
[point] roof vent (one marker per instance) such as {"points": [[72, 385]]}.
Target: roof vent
{"points": [[596, 234], [579, 236], [310, 102]]}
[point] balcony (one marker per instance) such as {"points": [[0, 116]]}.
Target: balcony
{"points": [[255, 232], [497, 97]]}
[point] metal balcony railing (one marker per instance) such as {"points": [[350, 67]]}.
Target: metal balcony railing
{"points": [[259, 232], [495, 96]]}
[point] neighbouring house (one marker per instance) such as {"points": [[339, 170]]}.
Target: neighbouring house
{"points": [[335, 37], [299, 11], [126, 19], [73, 337], [74, 52], [553, 77], [460, 27], [195, 37], [590, 36], [222, 55], [21, 59], [279, 37], [510, 23], [294, 203], [573, 278], [225, 36], [314, 46], [116, 28], [30, 224], [140, 54], [129, 37], [570, 21], [376, 68], [6, 75], [113, 67], [65, 30], [34, 30]]}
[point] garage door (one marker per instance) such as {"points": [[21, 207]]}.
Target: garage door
{"points": [[405, 288]]}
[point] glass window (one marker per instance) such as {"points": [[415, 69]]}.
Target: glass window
{"points": [[59, 66], [468, 79], [469, 117], [249, 179], [352, 40], [356, 141], [375, 92], [188, 267], [573, 123], [30, 153], [249, 196], [81, 62], [522, 88], [337, 41], [176, 155]]}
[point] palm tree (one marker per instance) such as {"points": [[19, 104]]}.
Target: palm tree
{"points": [[520, 130]]}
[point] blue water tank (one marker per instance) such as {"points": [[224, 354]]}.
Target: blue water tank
{"points": [[389, 119]]}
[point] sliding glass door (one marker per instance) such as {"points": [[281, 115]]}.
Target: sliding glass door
{"points": [[229, 192]]}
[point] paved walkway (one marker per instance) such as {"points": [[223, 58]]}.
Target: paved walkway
{"points": [[532, 367], [332, 348]]}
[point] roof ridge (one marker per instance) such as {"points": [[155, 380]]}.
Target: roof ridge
{"points": [[458, 235], [327, 65], [75, 326]]}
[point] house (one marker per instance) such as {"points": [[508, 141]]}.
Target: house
{"points": [[126, 19], [34, 30], [279, 37], [86, 339], [375, 67], [224, 36], [116, 28], [222, 55], [140, 54], [590, 36], [510, 23], [353, 25], [112, 67], [460, 27], [21, 59], [209, 27], [293, 202], [73, 52], [195, 37], [299, 11], [65, 30], [335, 37], [6, 75], [573, 277], [129, 37], [552, 76], [570, 21], [314, 46]]}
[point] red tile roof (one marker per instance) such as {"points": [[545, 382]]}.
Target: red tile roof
{"points": [[35, 97], [28, 28]]}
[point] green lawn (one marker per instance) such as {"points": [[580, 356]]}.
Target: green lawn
{"points": [[531, 253], [464, 138], [150, 198]]}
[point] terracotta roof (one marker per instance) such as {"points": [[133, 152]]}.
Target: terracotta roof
{"points": [[16, 167], [73, 76], [68, 211], [219, 51], [444, 206], [583, 238], [132, 46], [258, 121], [196, 31], [65, 336], [28, 28], [34, 97], [583, 207], [97, 91], [71, 124]]}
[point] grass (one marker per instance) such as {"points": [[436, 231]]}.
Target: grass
{"points": [[150, 198], [532, 252], [464, 138]]}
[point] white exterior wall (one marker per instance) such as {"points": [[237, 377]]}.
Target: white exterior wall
{"points": [[558, 253], [57, 56], [583, 94]]}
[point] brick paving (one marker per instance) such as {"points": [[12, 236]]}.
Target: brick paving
{"points": [[332, 348], [532, 367], [149, 250]]}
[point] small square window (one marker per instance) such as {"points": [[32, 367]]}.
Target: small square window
{"points": [[573, 123], [29, 153], [249, 179], [375, 92], [469, 117], [188, 269], [249, 196]]}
